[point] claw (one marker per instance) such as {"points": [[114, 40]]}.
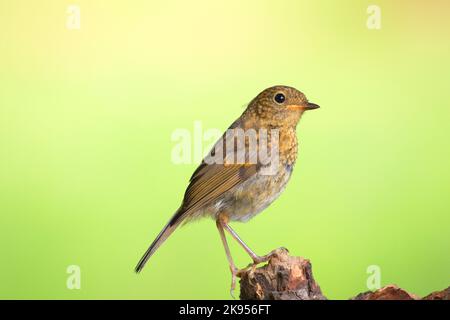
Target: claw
{"points": [[260, 259], [233, 287], [234, 274]]}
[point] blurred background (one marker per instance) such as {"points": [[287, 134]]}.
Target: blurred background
{"points": [[86, 117]]}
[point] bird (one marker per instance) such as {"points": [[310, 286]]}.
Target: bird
{"points": [[246, 170]]}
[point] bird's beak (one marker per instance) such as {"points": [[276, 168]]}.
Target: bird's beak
{"points": [[311, 106], [307, 106]]}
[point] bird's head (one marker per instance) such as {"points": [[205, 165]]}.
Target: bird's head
{"points": [[279, 106]]}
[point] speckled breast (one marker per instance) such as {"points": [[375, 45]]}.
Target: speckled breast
{"points": [[254, 195]]}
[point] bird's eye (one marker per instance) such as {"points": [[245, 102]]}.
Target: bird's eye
{"points": [[279, 98]]}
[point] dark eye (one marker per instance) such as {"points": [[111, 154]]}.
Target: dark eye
{"points": [[279, 98]]}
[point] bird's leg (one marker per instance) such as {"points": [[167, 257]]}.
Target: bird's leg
{"points": [[256, 259], [233, 269]]}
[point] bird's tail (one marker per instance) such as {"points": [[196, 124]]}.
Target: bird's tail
{"points": [[170, 227]]}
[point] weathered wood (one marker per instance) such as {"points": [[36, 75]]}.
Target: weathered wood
{"points": [[291, 278], [390, 292], [439, 295], [283, 278]]}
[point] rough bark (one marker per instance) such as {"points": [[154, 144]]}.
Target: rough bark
{"points": [[290, 278], [390, 292], [439, 295], [283, 278]]}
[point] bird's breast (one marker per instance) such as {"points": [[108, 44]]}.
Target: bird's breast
{"points": [[255, 194], [288, 146]]}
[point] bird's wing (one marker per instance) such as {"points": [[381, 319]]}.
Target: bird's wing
{"points": [[210, 181], [206, 185]]}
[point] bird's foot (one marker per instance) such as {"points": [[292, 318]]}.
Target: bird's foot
{"points": [[250, 269], [261, 259], [235, 272]]}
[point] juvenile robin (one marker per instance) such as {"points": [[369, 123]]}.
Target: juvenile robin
{"points": [[246, 170]]}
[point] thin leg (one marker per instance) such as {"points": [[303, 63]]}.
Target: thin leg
{"points": [[256, 259], [233, 269]]}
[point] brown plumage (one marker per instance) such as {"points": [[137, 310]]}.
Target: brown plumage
{"points": [[235, 183]]}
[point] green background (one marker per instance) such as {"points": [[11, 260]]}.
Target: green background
{"points": [[86, 116]]}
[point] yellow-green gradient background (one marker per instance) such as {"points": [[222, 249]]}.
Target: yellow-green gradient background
{"points": [[86, 116]]}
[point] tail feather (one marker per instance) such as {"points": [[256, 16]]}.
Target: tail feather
{"points": [[162, 236]]}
